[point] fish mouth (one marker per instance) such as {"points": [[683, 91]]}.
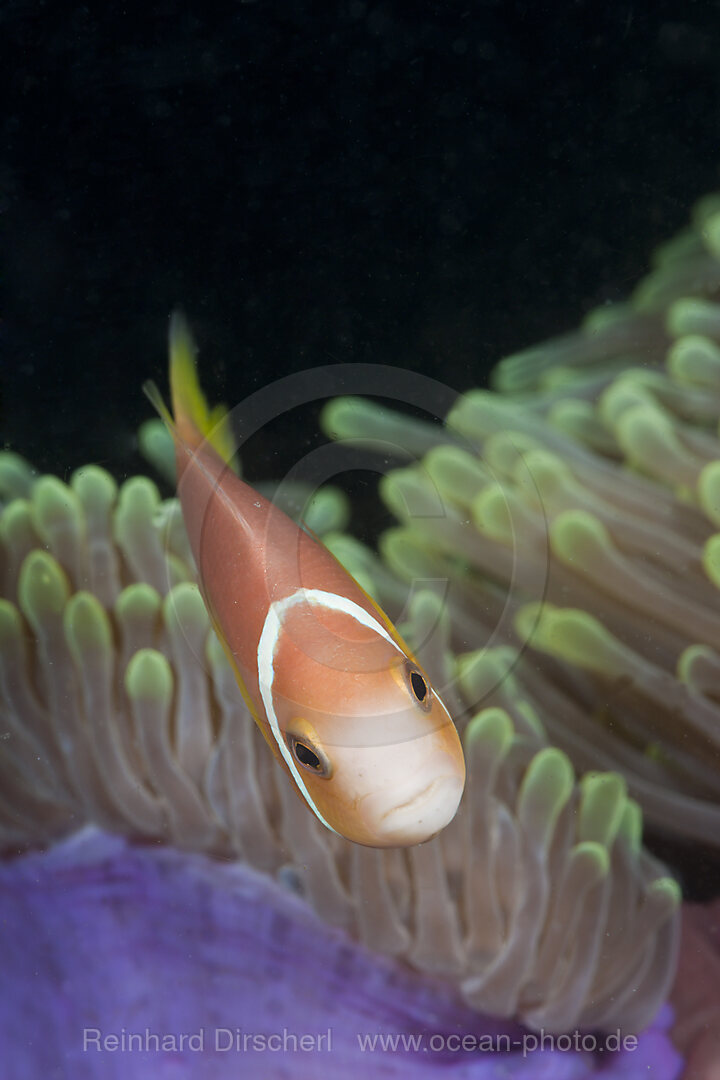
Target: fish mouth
{"points": [[416, 800], [424, 814]]}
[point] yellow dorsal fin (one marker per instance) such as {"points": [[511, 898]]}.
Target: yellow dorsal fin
{"points": [[189, 402]]}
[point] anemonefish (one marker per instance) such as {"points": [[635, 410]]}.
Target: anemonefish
{"points": [[345, 707]]}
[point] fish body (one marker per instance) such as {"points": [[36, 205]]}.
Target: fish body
{"points": [[345, 707]]}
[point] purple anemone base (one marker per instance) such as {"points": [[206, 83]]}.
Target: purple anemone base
{"points": [[134, 962]]}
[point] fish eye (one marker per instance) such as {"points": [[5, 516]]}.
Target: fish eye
{"points": [[306, 756], [418, 686], [310, 757]]}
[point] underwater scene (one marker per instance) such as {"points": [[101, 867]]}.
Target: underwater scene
{"points": [[359, 542]]}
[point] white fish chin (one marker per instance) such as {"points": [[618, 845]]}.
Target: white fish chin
{"points": [[424, 815]]}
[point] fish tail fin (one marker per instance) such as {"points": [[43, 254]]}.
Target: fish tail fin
{"points": [[193, 421]]}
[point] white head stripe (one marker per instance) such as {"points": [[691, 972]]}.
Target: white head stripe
{"points": [[266, 660]]}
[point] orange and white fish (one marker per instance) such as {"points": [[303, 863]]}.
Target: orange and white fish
{"points": [[346, 709]]}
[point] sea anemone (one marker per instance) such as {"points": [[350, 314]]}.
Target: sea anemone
{"points": [[136, 962], [559, 534], [571, 515], [121, 710]]}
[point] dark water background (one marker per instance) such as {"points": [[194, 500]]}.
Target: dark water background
{"points": [[427, 185]]}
